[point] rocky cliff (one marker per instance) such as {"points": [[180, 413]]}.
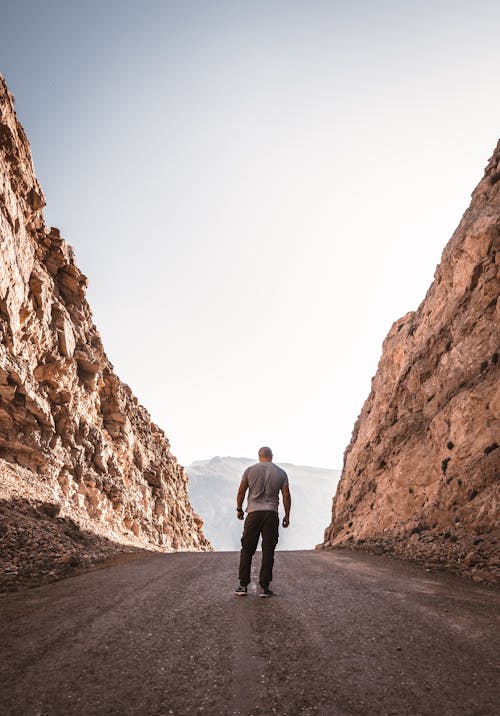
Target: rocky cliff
{"points": [[74, 442], [421, 473]]}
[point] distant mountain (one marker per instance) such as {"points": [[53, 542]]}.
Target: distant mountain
{"points": [[213, 485]]}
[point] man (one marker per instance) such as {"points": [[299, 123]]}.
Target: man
{"points": [[264, 480]]}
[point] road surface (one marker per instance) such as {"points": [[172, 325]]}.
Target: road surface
{"points": [[346, 634]]}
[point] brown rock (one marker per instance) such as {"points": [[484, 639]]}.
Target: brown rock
{"points": [[425, 446], [72, 435], [470, 559]]}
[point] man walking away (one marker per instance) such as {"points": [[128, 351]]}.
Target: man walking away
{"points": [[264, 480]]}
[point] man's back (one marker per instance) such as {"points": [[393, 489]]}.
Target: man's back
{"points": [[264, 480]]}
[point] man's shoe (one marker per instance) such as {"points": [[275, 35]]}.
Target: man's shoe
{"points": [[241, 591], [266, 592]]}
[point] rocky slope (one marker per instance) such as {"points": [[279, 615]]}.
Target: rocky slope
{"points": [[421, 473], [74, 442]]}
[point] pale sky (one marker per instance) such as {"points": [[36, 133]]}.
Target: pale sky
{"points": [[256, 191]]}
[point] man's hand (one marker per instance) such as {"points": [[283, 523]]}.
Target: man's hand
{"points": [[286, 522], [240, 497]]}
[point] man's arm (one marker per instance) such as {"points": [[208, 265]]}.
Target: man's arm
{"points": [[240, 497], [287, 504]]}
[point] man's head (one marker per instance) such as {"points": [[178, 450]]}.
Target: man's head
{"points": [[265, 454]]}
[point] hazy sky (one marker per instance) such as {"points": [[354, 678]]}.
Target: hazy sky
{"points": [[255, 190]]}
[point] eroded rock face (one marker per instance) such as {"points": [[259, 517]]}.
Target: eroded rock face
{"points": [[421, 473], [71, 433]]}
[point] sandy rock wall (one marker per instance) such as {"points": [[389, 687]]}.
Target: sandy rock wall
{"points": [[421, 473], [71, 432]]}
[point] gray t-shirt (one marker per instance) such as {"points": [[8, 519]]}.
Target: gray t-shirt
{"points": [[264, 481]]}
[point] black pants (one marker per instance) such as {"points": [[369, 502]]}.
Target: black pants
{"points": [[265, 523]]}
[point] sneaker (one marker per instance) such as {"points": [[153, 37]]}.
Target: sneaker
{"points": [[241, 591], [266, 592]]}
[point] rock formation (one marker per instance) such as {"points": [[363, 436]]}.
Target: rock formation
{"points": [[421, 473], [71, 433]]}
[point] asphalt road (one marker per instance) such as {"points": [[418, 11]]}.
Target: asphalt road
{"points": [[346, 634]]}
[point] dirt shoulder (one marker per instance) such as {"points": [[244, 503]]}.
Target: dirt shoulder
{"points": [[38, 545], [474, 556]]}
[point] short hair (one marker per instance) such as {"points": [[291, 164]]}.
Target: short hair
{"points": [[266, 452]]}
